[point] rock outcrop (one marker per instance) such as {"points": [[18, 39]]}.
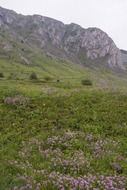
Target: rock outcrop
{"points": [[54, 38]]}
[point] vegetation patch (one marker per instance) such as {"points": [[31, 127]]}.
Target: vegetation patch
{"points": [[16, 100], [1, 75], [33, 76], [86, 82]]}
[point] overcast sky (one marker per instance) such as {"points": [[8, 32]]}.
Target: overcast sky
{"points": [[109, 15]]}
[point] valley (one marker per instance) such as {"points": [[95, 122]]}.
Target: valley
{"points": [[63, 108]]}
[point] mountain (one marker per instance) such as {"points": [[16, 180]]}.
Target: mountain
{"points": [[124, 56], [24, 37]]}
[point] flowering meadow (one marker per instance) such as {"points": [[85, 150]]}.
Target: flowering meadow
{"points": [[76, 141]]}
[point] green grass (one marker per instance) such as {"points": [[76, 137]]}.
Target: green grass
{"points": [[66, 127], [64, 71]]}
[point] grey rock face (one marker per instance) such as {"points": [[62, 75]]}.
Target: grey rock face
{"points": [[58, 39], [124, 56], [95, 42], [7, 16]]}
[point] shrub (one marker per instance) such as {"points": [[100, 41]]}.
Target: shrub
{"points": [[47, 78], [33, 76], [12, 76], [1, 75], [87, 82], [58, 80]]}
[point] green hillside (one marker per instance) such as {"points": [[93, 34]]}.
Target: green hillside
{"points": [[56, 133], [62, 70], [63, 106]]}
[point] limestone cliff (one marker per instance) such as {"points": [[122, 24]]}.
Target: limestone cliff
{"points": [[56, 39]]}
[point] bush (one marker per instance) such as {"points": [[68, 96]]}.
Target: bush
{"points": [[12, 76], [58, 80], [33, 76], [1, 75], [47, 78], [87, 82]]}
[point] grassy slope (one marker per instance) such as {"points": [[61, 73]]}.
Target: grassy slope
{"points": [[63, 70], [65, 128]]}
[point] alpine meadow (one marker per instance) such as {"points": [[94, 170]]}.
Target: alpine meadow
{"points": [[63, 106]]}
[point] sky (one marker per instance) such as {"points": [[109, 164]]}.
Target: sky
{"points": [[108, 15]]}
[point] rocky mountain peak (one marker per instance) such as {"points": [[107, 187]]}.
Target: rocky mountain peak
{"points": [[64, 41], [7, 16]]}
